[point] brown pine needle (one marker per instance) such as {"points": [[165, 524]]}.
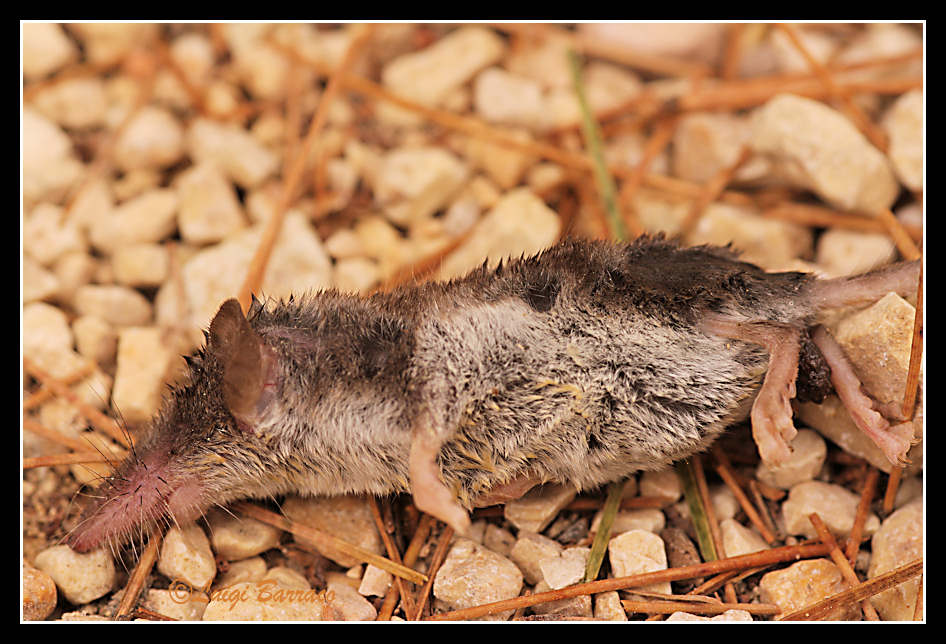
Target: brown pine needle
{"points": [[55, 436], [326, 540], [916, 353], [821, 217], [899, 235], [742, 562], [44, 393], [254, 277], [697, 608], [435, 562], [893, 483], [733, 52], [841, 561], [98, 420], [393, 554], [138, 577], [410, 558], [860, 518], [726, 474], [860, 592], [714, 187], [855, 113], [69, 458], [659, 139]]}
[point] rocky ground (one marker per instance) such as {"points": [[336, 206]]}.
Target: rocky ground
{"points": [[154, 155]]}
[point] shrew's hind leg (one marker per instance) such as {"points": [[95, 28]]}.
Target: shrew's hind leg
{"points": [[772, 426], [430, 493], [894, 440]]}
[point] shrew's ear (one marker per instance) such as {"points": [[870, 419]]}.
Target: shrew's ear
{"points": [[239, 350]]}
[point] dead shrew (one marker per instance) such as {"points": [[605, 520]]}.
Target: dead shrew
{"points": [[581, 365]]}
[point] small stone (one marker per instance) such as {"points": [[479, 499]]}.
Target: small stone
{"points": [[346, 604], [298, 263], [850, 252], [543, 178], [148, 218], [286, 577], [650, 519], [731, 615], [74, 103], [460, 216], [498, 540], [833, 421], [186, 557], [520, 223], [117, 305], [694, 41], [815, 147], [508, 99], [535, 510], [38, 283], [663, 483], [46, 237], [108, 43], [194, 54], [153, 139], [262, 70], [80, 578], [252, 569], [345, 517], [877, 341], [569, 607], [344, 244], [39, 593], [504, 165], [45, 49], [680, 549], [565, 568], [834, 504], [761, 241], [375, 582], [356, 274], [45, 329], [530, 549], [607, 87], [805, 583], [265, 601], [903, 123], [898, 542], [188, 608], [808, 454], [245, 161], [636, 552], [608, 607], [821, 46], [429, 75], [472, 575], [740, 540], [240, 538], [705, 143], [910, 488], [49, 165], [143, 362], [141, 265], [725, 504], [209, 210], [413, 183]]}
